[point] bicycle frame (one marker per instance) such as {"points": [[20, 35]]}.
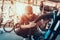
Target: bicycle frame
{"points": [[53, 32]]}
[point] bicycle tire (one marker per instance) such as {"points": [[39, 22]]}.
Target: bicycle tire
{"points": [[4, 26]]}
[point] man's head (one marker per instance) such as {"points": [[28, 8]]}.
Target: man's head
{"points": [[28, 9]]}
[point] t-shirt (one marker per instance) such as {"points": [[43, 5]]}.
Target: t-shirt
{"points": [[25, 19]]}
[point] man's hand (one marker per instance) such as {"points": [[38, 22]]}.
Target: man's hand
{"points": [[30, 25]]}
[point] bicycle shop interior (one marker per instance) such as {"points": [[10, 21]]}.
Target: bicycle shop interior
{"points": [[29, 19]]}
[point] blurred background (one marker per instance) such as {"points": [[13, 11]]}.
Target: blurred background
{"points": [[12, 11]]}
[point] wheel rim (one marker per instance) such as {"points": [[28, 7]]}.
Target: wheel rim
{"points": [[8, 28]]}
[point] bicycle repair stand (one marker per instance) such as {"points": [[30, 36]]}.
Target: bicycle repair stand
{"points": [[53, 31]]}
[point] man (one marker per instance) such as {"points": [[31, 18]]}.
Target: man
{"points": [[29, 28], [26, 25]]}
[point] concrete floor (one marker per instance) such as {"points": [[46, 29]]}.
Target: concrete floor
{"points": [[9, 36], [13, 36]]}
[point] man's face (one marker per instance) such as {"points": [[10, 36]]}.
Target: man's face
{"points": [[28, 9]]}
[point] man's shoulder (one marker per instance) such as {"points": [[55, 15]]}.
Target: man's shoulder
{"points": [[23, 16]]}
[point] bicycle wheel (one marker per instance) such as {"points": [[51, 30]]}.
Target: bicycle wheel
{"points": [[16, 27], [8, 27]]}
